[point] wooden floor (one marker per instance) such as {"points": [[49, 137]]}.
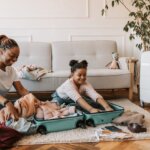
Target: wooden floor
{"points": [[128, 145]]}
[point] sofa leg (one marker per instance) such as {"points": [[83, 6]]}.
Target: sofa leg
{"points": [[131, 93], [131, 62]]}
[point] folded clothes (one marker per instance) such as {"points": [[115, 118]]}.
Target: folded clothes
{"points": [[129, 117], [22, 125], [31, 72], [29, 105], [133, 120], [51, 110]]}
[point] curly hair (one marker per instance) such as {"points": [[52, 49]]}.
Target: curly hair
{"points": [[75, 64]]}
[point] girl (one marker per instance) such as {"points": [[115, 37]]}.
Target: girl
{"points": [[9, 52], [76, 85]]}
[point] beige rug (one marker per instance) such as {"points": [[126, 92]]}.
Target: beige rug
{"points": [[87, 135]]}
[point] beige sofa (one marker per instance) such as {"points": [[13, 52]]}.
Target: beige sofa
{"points": [[55, 57]]}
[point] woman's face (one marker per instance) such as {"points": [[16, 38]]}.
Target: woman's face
{"points": [[79, 76], [10, 56]]}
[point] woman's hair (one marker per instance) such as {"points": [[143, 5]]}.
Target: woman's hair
{"points": [[74, 64], [7, 43]]}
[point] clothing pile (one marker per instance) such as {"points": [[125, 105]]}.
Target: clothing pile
{"points": [[50, 110], [133, 120], [29, 106], [31, 72]]}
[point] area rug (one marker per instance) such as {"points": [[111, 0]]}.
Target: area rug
{"points": [[90, 134]]}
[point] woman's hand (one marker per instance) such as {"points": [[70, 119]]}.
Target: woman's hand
{"points": [[11, 112]]}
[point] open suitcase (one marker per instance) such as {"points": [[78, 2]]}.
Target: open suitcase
{"points": [[59, 124], [82, 119], [104, 116]]}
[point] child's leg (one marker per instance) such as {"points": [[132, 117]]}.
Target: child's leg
{"points": [[56, 98], [59, 100]]}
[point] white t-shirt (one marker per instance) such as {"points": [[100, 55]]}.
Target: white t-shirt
{"points": [[69, 90], [6, 79]]}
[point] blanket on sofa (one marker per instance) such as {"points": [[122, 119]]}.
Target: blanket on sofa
{"points": [[31, 72]]}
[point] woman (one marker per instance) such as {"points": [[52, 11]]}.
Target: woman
{"points": [[9, 53]]}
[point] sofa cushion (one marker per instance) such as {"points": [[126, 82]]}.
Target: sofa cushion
{"points": [[97, 53], [34, 53], [91, 72], [99, 78]]}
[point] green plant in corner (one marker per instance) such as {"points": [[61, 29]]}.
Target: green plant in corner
{"points": [[139, 20]]}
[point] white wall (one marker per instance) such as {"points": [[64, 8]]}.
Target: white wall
{"points": [[60, 20]]}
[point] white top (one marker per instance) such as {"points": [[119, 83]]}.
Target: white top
{"points": [[6, 79], [69, 90]]}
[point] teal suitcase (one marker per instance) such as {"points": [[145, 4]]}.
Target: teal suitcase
{"points": [[104, 116], [60, 124]]}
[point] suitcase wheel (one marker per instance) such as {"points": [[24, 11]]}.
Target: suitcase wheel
{"points": [[41, 130], [80, 124], [90, 122]]}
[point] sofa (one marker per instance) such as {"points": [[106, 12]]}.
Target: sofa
{"points": [[55, 57]]}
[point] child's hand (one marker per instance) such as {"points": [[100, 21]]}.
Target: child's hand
{"points": [[109, 109], [94, 110]]}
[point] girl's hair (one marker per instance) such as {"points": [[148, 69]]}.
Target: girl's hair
{"points": [[7, 43], [74, 64]]}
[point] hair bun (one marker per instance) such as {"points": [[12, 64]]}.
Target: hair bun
{"points": [[3, 38], [84, 62], [72, 63]]}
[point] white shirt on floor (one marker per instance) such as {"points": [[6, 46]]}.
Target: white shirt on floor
{"points": [[6, 79], [69, 90]]}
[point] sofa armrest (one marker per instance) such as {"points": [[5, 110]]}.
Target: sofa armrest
{"points": [[132, 68], [129, 63]]}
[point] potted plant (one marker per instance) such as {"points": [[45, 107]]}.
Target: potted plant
{"points": [[139, 21], [139, 27]]}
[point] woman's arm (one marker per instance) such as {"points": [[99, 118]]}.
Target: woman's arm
{"points": [[3, 101], [19, 88], [11, 111], [86, 106], [22, 92]]}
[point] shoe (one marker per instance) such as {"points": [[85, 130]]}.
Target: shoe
{"points": [[136, 128]]}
